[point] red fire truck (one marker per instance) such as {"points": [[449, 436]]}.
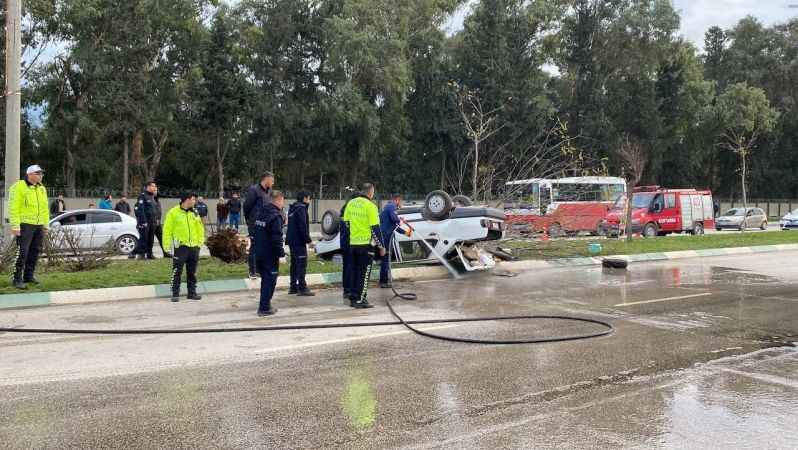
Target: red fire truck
{"points": [[659, 212], [561, 206]]}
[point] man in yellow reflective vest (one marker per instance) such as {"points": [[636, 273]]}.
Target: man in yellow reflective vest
{"points": [[29, 215], [183, 236], [363, 222]]}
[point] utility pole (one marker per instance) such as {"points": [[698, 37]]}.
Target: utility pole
{"points": [[13, 96]]}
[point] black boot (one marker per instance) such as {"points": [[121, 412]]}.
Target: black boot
{"points": [[194, 296]]}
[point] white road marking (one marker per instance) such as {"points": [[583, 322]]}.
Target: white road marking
{"points": [[349, 339], [681, 297]]}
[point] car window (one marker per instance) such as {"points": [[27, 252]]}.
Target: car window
{"points": [[735, 212], [670, 200], [103, 217], [760, 212], [73, 219]]}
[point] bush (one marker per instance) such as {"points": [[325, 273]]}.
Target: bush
{"points": [[228, 246], [64, 252]]}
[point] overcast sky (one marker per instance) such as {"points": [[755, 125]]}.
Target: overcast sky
{"points": [[699, 15]]}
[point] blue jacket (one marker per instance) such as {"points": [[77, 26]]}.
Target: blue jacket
{"points": [[269, 236], [298, 230], [389, 220], [106, 204]]}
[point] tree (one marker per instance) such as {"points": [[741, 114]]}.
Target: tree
{"points": [[480, 125], [745, 116], [634, 160]]}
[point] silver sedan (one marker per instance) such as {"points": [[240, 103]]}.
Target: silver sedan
{"points": [[741, 219], [94, 229]]}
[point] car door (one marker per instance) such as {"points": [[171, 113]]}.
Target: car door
{"points": [[751, 219], [74, 228], [104, 226]]}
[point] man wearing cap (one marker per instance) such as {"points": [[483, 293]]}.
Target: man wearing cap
{"points": [[183, 235], [29, 214]]}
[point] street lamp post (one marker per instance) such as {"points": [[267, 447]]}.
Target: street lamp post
{"points": [[13, 101]]}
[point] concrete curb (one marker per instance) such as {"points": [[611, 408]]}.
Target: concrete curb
{"points": [[326, 279]]}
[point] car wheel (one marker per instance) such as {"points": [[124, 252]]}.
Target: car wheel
{"points": [[126, 244], [462, 200], [650, 231], [698, 229], [764, 226], [437, 205], [330, 223], [555, 230]]}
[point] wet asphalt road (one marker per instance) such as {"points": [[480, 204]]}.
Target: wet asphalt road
{"points": [[702, 357]]}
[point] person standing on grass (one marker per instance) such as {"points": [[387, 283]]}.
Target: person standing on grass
{"points": [[269, 250], [257, 196], [29, 217], [298, 239], [58, 206], [221, 213], [123, 206], [184, 234], [107, 203], [148, 217], [234, 206]]}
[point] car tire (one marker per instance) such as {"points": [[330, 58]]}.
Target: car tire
{"points": [[437, 205], [650, 231], [764, 226], [698, 229], [126, 244], [462, 200], [614, 263], [330, 223]]}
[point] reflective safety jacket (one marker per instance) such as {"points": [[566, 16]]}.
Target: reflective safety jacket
{"points": [[363, 219], [183, 227], [28, 204]]}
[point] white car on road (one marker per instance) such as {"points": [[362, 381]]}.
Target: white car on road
{"points": [[790, 221], [95, 228], [445, 227]]}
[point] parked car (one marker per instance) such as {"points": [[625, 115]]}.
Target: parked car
{"points": [[94, 228], [790, 221], [741, 219]]}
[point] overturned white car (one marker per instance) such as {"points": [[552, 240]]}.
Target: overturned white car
{"points": [[442, 228]]}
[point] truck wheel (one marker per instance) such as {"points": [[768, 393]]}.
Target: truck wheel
{"points": [[330, 223], [650, 231], [462, 200], [437, 205], [698, 229]]}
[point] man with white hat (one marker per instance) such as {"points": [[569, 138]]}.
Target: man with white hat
{"points": [[29, 214]]}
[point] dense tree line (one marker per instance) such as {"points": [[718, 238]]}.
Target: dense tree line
{"points": [[330, 93]]}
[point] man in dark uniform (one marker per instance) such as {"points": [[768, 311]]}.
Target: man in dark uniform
{"points": [[257, 196], [298, 239], [148, 218], [389, 223], [346, 254], [269, 250]]}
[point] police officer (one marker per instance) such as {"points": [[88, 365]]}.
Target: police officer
{"points": [[257, 196], [298, 239], [363, 219], [389, 223], [184, 234], [148, 218], [29, 215], [269, 250]]}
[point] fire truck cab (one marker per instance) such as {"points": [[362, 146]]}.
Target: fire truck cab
{"points": [[659, 212]]}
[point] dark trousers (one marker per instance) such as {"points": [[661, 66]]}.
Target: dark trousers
{"points": [[146, 240], [268, 281], [29, 246], [188, 257], [362, 259], [346, 275], [159, 235], [299, 267], [251, 259], [385, 265]]}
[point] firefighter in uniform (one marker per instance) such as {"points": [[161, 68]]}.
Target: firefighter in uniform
{"points": [[183, 235], [363, 223], [29, 214]]}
